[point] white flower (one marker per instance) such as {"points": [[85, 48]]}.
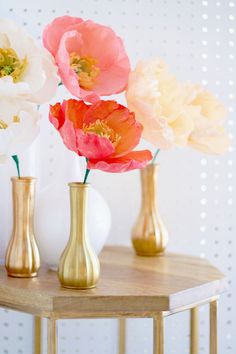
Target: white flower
{"points": [[19, 126], [26, 70]]}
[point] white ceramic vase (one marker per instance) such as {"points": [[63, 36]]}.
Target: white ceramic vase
{"points": [[52, 224]]}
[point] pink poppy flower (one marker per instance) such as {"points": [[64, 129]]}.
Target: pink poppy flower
{"points": [[91, 58], [105, 133]]}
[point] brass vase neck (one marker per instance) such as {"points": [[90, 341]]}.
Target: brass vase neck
{"points": [[149, 186], [23, 194], [78, 206]]}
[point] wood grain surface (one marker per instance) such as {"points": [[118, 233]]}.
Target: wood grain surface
{"points": [[129, 286]]}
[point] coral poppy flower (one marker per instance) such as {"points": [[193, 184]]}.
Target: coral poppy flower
{"points": [[105, 133], [91, 59]]}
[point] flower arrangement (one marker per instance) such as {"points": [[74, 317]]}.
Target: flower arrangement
{"points": [[173, 114], [92, 62]]}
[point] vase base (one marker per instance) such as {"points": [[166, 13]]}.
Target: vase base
{"points": [[149, 254], [78, 288], [13, 275]]}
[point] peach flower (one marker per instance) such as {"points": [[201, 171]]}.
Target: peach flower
{"points": [[159, 103], [209, 135], [175, 114], [105, 133], [91, 58]]}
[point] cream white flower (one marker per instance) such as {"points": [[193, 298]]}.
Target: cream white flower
{"points": [[175, 114], [209, 135], [26, 70], [19, 126], [159, 103]]}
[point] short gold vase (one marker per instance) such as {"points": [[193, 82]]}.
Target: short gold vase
{"points": [[22, 256], [149, 234], [79, 266]]}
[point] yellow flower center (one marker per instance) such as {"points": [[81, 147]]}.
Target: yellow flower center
{"points": [[11, 65], [102, 129], [4, 125], [86, 69]]}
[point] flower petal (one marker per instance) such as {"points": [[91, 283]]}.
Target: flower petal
{"points": [[100, 110], [68, 134], [131, 161], [74, 111], [213, 140], [49, 87], [69, 42], [99, 42], [124, 124], [93, 146], [65, 126], [56, 116], [54, 31]]}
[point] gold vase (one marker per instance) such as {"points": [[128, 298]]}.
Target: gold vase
{"points": [[79, 266], [22, 256], [149, 234]]}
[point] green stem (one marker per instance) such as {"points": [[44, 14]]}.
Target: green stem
{"points": [[16, 160], [86, 175], [155, 156], [86, 172]]}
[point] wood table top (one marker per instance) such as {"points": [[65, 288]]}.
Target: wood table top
{"points": [[129, 286]]}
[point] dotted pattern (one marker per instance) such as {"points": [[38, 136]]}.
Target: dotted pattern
{"points": [[196, 193]]}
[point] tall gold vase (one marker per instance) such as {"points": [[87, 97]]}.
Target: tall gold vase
{"points": [[22, 257], [149, 234], [79, 266]]}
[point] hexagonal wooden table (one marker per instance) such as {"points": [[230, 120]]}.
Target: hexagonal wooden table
{"points": [[130, 286]]}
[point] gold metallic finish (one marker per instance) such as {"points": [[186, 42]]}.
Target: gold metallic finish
{"points": [[22, 257], [149, 234], [213, 327], [37, 335], [79, 266], [194, 331], [52, 336], [158, 335], [122, 336]]}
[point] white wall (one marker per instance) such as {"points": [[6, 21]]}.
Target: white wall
{"points": [[196, 192]]}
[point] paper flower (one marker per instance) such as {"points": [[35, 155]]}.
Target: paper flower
{"points": [[159, 101], [18, 126], [105, 133], [91, 58], [209, 135], [26, 71], [175, 114]]}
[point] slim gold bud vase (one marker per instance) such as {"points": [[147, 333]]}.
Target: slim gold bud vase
{"points": [[79, 266], [22, 257], [149, 234]]}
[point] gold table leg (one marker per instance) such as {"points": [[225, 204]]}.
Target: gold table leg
{"points": [[52, 336], [122, 335], [158, 335], [194, 331], [213, 327], [37, 334]]}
